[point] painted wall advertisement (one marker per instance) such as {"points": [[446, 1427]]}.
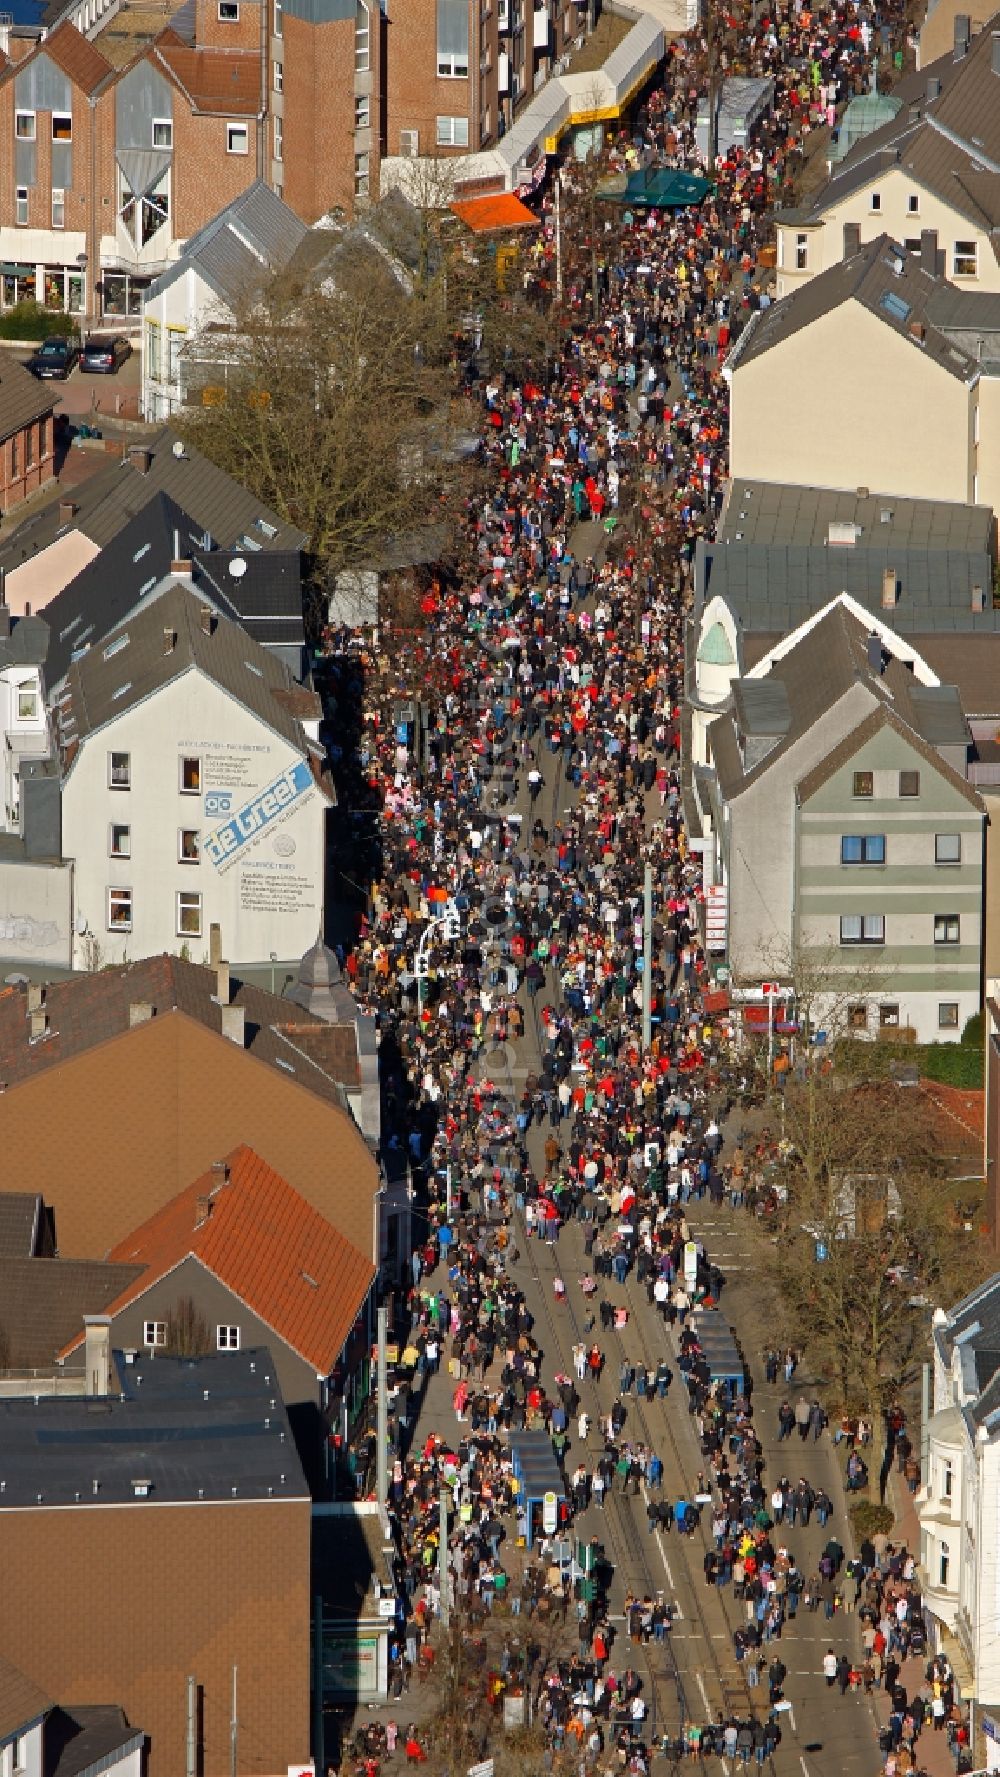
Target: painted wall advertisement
{"points": [[249, 812]]}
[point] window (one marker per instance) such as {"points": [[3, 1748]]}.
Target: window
{"points": [[227, 1338], [888, 1017], [120, 841], [862, 848], [864, 783], [944, 1565], [58, 207], [142, 214], [119, 910], [862, 928], [154, 1332], [876, 201], [948, 1015], [62, 126], [163, 132], [801, 252], [362, 39], [15, 457], [237, 138], [453, 132], [229, 12], [21, 206], [912, 244], [119, 771], [362, 112], [947, 848], [29, 447], [278, 18], [453, 67], [857, 1017], [279, 77], [361, 175], [278, 138], [947, 1480], [27, 702], [946, 928], [24, 126], [909, 783], [190, 769], [964, 259], [913, 204], [188, 915], [189, 846]]}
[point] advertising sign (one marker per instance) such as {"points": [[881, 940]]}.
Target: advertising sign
{"points": [[224, 845]]}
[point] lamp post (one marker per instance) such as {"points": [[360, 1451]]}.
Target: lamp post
{"points": [[83, 262], [451, 921]]}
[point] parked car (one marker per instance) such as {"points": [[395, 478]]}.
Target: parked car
{"points": [[54, 358], [105, 353]]}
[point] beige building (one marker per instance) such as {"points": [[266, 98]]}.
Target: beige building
{"points": [[945, 23], [934, 166], [846, 383]]}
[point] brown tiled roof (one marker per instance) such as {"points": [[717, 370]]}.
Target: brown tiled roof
{"points": [[333, 1047], [21, 1701], [22, 397], [43, 1302], [225, 82], [962, 1112], [78, 58], [266, 1244], [89, 1009], [20, 1213]]}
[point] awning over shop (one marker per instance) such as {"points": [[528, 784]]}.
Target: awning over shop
{"points": [[493, 215], [657, 188]]}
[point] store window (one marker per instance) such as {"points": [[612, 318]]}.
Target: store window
{"points": [[123, 294], [19, 284]]}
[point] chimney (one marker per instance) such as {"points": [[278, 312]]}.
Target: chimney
{"points": [[929, 251], [180, 564], [169, 640], [962, 35], [874, 646], [995, 53], [933, 87], [918, 331], [222, 982], [852, 239], [97, 1353], [39, 1024], [207, 616], [214, 945], [36, 996], [978, 599], [233, 1023], [141, 458], [5, 622], [202, 1211], [139, 1012], [220, 1175], [68, 510], [889, 589]]}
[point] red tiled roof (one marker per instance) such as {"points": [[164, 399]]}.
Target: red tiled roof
{"points": [[225, 82], [266, 1244], [963, 1106], [78, 58]]}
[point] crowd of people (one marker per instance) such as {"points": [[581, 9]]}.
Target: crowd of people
{"points": [[523, 750]]}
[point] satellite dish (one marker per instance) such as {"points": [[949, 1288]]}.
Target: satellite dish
{"points": [[81, 924], [178, 449], [237, 568]]}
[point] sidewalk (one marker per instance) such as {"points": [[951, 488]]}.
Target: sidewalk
{"points": [[933, 1752]]}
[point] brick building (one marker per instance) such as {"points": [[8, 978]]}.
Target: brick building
{"points": [[26, 432], [162, 1537]]}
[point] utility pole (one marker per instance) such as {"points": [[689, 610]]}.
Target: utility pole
{"points": [[647, 957], [234, 1733], [191, 1759], [443, 1577], [559, 271], [382, 1411]]}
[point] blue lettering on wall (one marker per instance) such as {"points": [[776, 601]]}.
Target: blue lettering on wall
{"points": [[223, 846]]}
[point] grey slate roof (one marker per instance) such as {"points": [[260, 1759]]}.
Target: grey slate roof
{"points": [[22, 1702], [81, 1741], [216, 503], [776, 512], [43, 1302], [162, 1430], [255, 234], [889, 282], [20, 1220], [102, 684], [266, 599]]}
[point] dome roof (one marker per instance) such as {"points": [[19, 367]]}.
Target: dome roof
{"points": [[716, 649]]}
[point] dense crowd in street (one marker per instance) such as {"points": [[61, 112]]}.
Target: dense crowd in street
{"points": [[544, 781]]}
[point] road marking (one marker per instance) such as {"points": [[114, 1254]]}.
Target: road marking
{"points": [[704, 1693], [805, 1767]]}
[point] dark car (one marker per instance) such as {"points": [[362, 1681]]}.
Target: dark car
{"points": [[54, 357], [105, 353]]}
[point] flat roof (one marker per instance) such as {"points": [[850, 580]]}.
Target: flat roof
{"points": [[187, 1429], [776, 512]]}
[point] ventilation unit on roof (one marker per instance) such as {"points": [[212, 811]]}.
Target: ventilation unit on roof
{"points": [[116, 646], [268, 530]]}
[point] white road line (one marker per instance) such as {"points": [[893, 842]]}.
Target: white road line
{"points": [[704, 1693]]}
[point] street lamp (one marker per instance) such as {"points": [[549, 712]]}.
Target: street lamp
{"points": [[274, 958], [83, 262], [451, 922]]}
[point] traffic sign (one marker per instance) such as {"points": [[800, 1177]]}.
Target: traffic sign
{"points": [[770, 987]]}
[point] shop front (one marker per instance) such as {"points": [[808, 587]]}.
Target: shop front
{"points": [[122, 294], [51, 286]]}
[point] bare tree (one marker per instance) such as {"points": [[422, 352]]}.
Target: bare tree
{"points": [[186, 1331]]}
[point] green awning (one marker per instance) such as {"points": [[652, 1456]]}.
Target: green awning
{"points": [[17, 271], [662, 188]]}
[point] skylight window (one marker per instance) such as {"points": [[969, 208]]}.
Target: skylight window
{"points": [[121, 691], [147, 586], [267, 530], [895, 306], [116, 646], [141, 552], [249, 542], [253, 669]]}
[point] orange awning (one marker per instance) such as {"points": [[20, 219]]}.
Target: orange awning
{"points": [[488, 215]]}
